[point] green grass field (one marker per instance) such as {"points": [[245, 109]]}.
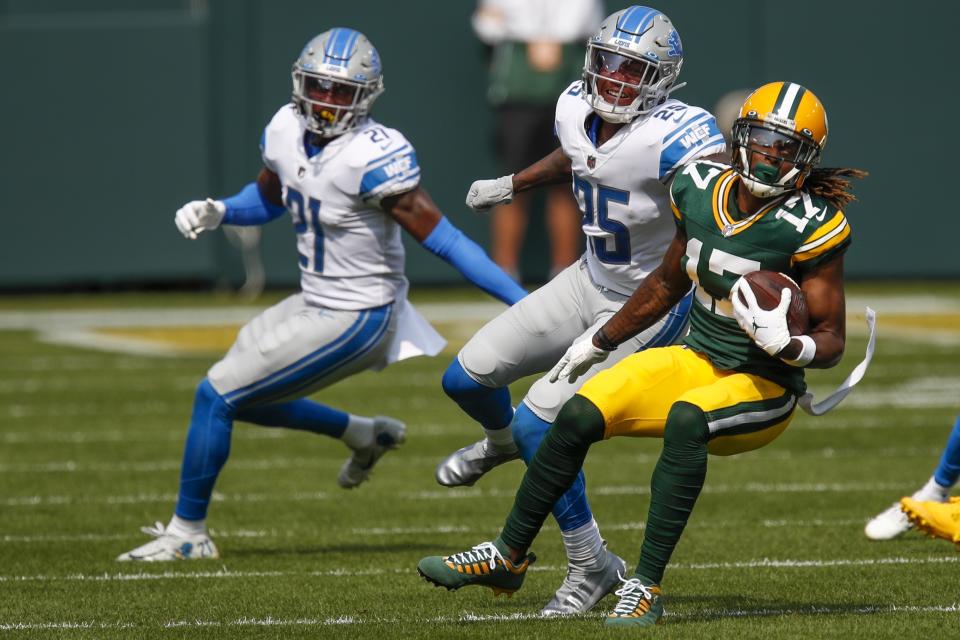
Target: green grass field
{"points": [[90, 445]]}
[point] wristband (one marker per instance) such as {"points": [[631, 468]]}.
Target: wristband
{"points": [[601, 341], [807, 353]]}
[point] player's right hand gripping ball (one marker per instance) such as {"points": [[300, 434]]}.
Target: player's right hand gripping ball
{"points": [[767, 287], [770, 308]]}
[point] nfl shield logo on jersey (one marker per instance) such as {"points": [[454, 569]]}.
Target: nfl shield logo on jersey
{"points": [[301, 171], [591, 162]]}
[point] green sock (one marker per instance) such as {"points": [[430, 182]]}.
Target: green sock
{"points": [[553, 469], [676, 484]]}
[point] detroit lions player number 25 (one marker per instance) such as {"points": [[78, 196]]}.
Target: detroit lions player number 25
{"points": [[621, 138], [734, 384], [349, 184]]}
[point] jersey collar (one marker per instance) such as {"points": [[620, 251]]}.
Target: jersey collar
{"points": [[725, 213]]}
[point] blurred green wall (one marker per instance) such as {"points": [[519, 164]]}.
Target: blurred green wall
{"points": [[117, 112]]}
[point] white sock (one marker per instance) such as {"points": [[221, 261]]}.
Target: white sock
{"points": [[584, 545], [932, 492], [186, 528], [502, 439], [359, 432]]}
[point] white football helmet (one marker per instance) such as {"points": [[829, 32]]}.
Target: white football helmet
{"points": [[632, 64], [336, 79]]}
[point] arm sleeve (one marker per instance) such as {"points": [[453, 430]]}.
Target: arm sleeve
{"points": [[466, 256], [249, 207]]}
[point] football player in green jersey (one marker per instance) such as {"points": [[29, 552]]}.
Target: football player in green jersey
{"points": [[734, 384]]}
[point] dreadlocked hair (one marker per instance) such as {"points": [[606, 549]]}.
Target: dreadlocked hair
{"points": [[832, 184]]}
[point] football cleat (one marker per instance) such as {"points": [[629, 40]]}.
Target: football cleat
{"points": [[640, 605], [465, 466], [387, 434], [484, 565], [937, 519], [583, 588], [888, 524], [166, 546]]}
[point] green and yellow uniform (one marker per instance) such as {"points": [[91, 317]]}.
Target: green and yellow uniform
{"points": [[747, 395]]}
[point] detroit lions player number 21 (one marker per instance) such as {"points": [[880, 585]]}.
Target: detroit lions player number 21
{"points": [[621, 139], [350, 184]]}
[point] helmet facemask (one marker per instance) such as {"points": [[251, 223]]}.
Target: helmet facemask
{"points": [[620, 86], [331, 106], [771, 160]]}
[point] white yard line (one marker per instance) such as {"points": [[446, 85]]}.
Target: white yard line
{"points": [[450, 494], [34, 538], [334, 458], [225, 574], [348, 619]]}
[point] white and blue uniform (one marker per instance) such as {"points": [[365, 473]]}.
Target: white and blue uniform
{"points": [[353, 291], [620, 187]]}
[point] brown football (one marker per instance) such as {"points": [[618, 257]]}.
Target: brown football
{"points": [[767, 285]]}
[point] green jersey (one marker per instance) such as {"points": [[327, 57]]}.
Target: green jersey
{"points": [[791, 234]]}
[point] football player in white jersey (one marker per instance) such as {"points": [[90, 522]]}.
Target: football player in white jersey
{"points": [[621, 138], [349, 184]]}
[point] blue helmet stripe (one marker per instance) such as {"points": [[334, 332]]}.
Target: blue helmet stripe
{"points": [[339, 46], [634, 22], [351, 41], [329, 52]]}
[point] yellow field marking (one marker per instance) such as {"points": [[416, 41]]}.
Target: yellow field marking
{"points": [[937, 321], [186, 339], [217, 339]]}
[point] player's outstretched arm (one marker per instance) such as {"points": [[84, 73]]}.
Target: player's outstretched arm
{"points": [[656, 294], [552, 169], [257, 203], [416, 212]]}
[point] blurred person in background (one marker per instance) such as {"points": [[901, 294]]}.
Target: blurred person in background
{"points": [[537, 46], [930, 506], [350, 185]]}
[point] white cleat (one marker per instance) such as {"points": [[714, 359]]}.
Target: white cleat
{"points": [[465, 466], [888, 524], [583, 588], [387, 434], [166, 546]]}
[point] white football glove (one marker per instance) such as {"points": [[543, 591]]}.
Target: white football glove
{"points": [[578, 359], [483, 194], [768, 329], [198, 216]]}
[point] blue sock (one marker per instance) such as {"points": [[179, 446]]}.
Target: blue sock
{"points": [[490, 407], [305, 415], [948, 471], [206, 451], [572, 509]]}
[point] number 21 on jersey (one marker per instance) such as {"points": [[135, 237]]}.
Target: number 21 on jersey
{"points": [[307, 218], [596, 210]]}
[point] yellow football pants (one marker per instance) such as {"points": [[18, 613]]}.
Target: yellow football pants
{"points": [[743, 411]]}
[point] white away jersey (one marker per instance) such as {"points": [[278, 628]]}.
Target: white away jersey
{"points": [[351, 255], [621, 186]]}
